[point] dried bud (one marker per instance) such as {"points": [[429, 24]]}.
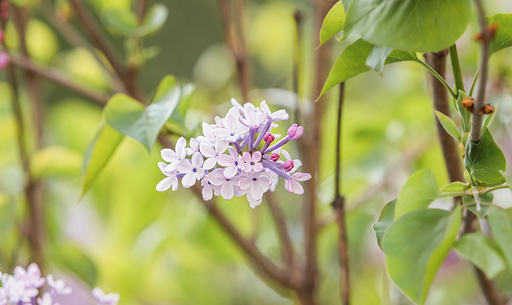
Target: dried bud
{"points": [[269, 138], [274, 157], [487, 109], [491, 28], [468, 103], [295, 132], [4, 60], [288, 165], [4, 10]]}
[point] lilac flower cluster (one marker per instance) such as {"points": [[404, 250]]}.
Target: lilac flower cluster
{"points": [[22, 288], [236, 156]]}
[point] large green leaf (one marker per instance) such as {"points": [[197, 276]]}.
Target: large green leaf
{"points": [[501, 227], [352, 61], [143, 123], [503, 37], [482, 252], [484, 160], [153, 20], [409, 25], [99, 152], [448, 125], [72, 258], [417, 193], [416, 246], [386, 218], [333, 22]]}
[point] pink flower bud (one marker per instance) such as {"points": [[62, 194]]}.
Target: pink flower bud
{"points": [[269, 138], [2, 35], [274, 157], [288, 165], [295, 132], [4, 60]]}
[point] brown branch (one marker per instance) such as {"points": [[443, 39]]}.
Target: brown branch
{"points": [[282, 230], [141, 8], [59, 78], [451, 155], [74, 38], [234, 30], [486, 37], [96, 35]]}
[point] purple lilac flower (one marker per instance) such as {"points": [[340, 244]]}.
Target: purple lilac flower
{"points": [[236, 156], [105, 299]]}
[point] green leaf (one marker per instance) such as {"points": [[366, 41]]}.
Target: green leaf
{"points": [[503, 37], [508, 180], [485, 198], [501, 227], [465, 115], [448, 125], [377, 58], [153, 20], [386, 218], [417, 193], [352, 61], [482, 252], [143, 123], [484, 160], [455, 187], [72, 258], [99, 152], [489, 118], [18, 2], [123, 22], [409, 25], [333, 22], [416, 246], [183, 104]]}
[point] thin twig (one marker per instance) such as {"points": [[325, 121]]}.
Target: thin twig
{"points": [[476, 119], [58, 77], [297, 62], [282, 230], [339, 209]]}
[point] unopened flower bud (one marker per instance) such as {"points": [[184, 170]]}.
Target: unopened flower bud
{"points": [[295, 132], [4, 60], [288, 165], [468, 103], [487, 109], [269, 138], [274, 157]]}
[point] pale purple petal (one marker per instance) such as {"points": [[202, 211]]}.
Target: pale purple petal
{"points": [[165, 184], [188, 180], [197, 160], [207, 150], [184, 166], [210, 163], [230, 171], [225, 160], [227, 191]]}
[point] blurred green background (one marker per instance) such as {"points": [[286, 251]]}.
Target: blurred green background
{"points": [[163, 248]]}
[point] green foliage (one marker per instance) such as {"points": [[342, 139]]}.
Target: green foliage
{"points": [[485, 198], [418, 192], [143, 123], [99, 152], [409, 25], [153, 20], [352, 61], [482, 252], [18, 2], [333, 22], [125, 22], [377, 58], [55, 160], [455, 187], [501, 227], [508, 180], [448, 125], [465, 115], [503, 37], [70, 257], [416, 246], [489, 118], [386, 218], [484, 160]]}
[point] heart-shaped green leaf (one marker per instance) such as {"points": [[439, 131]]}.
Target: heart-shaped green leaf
{"points": [[352, 61], [333, 22], [448, 125], [153, 20], [99, 152], [386, 218], [418, 192], [409, 25], [503, 37], [482, 252], [500, 222], [123, 22], [484, 160], [143, 123], [416, 246]]}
